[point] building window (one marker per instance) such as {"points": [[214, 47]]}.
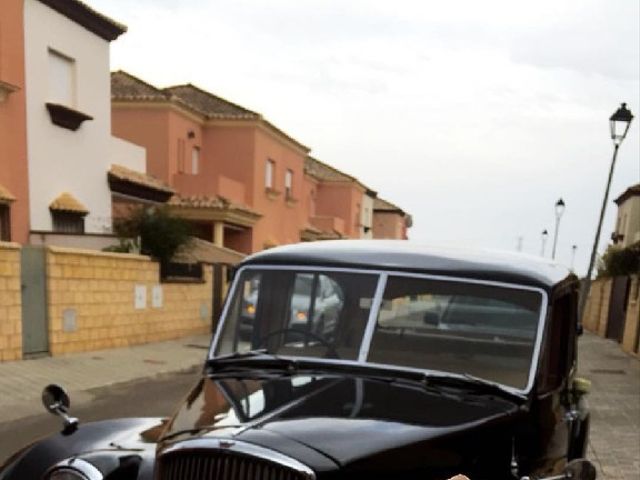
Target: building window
{"points": [[180, 152], [62, 83], [288, 184], [5, 223], [68, 222], [268, 173], [195, 160], [312, 203]]}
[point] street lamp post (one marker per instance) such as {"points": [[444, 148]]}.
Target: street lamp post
{"points": [[544, 237], [559, 211], [619, 123], [573, 255]]}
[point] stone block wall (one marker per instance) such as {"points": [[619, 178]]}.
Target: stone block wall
{"points": [[597, 307], [10, 302], [596, 314], [100, 300], [631, 336]]}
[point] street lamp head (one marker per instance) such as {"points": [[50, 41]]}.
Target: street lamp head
{"points": [[559, 208], [545, 234], [619, 123]]}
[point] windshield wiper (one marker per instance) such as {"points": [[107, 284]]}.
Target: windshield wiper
{"points": [[472, 384], [250, 360], [260, 361]]}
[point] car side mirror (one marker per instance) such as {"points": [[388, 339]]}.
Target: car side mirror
{"points": [[57, 402], [431, 318]]}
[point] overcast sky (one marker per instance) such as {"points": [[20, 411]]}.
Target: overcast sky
{"points": [[475, 117]]}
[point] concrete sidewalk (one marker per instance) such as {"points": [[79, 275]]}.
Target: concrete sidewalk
{"points": [[614, 444], [21, 382]]}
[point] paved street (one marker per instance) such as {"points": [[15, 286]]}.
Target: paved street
{"points": [[21, 382], [149, 381], [149, 397]]}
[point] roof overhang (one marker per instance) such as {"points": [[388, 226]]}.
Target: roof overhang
{"points": [[212, 214], [6, 196], [67, 203], [632, 191], [213, 210], [6, 89], [139, 185], [202, 251], [82, 14]]}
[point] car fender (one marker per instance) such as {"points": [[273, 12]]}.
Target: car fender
{"points": [[104, 444]]}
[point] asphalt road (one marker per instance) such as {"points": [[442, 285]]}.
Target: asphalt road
{"points": [[155, 397]]}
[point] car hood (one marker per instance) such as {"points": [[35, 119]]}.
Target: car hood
{"points": [[336, 421]]}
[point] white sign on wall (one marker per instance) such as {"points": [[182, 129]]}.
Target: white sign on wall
{"points": [[140, 297], [156, 296]]}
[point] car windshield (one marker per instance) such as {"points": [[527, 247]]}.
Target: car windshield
{"points": [[418, 322]]}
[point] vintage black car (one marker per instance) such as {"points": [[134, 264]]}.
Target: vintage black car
{"points": [[434, 363]]}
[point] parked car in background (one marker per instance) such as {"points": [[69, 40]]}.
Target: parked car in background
{"points": [[315, 303], [435, 363]]}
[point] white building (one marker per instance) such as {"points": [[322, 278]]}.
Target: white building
{"points": [[68, 104]]}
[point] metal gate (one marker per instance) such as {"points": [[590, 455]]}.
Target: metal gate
{"points": [[618, 307], [35, 338]]}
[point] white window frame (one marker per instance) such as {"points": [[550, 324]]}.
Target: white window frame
{"points": [[269, 173], [288, 183], [62, 78], [195, 161]]}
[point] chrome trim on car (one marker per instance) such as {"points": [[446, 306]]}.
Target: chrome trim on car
{"points": [[373, 315], [242, 448], [78, 465]]}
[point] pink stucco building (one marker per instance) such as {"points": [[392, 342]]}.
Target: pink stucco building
{"points": [[390, 221], [14, 182], [242, 182]]}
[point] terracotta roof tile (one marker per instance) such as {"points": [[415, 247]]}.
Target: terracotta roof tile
{"points": [[123, 173], [128, 87], [202, 251], [5, 195], [326, 173], [125, 86], [322, 171], [384, 206], [206, 201], [209, 104], [68, 203]]}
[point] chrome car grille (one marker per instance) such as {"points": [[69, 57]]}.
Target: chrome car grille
{"points": [[218, 466], [206, 460]]}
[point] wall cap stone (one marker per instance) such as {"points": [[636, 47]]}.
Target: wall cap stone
{"points": [[10, 246], [98, 253]]}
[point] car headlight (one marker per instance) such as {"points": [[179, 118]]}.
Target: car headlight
{"points": [[66, 474], [74, 469]]}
